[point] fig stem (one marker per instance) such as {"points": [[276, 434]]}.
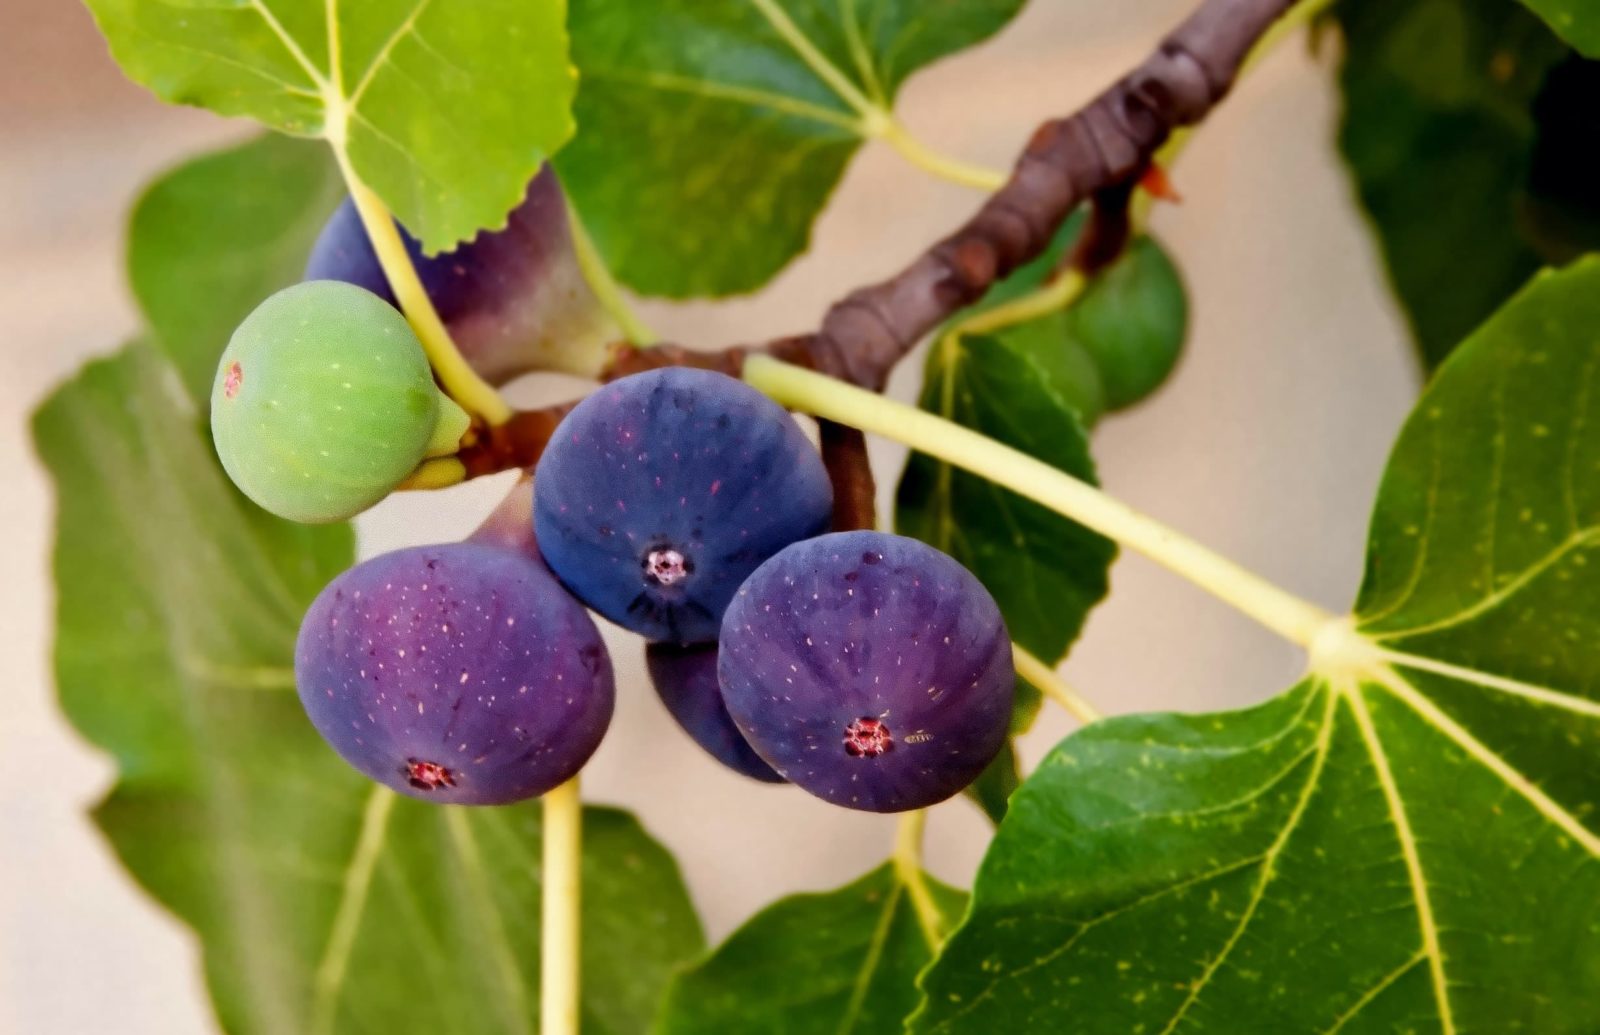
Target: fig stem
{"points": [[1287, 615], [438, 473], [1052, 297], [459, 380], [604, 285], [452, 425], [908, 870], [559, 944], [1034, 670]]}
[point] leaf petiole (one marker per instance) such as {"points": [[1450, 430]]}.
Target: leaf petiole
{"points": [[908, 869], [604, 285], [458, 379], [884, 126], [1285, 614], [439, 473], [1035, 671], [1052, 297]]}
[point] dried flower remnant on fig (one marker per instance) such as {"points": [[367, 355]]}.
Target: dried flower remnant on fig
{"points": [[427, 776], [667, 567], [868, 738]]}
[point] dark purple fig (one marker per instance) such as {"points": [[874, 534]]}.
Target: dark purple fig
{"points": [[869, 669], [459, 673], [685, 679], [660, 492]]}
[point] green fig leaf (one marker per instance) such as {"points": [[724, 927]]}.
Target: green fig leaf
{"points": [[1407, 840], [445, 108]]}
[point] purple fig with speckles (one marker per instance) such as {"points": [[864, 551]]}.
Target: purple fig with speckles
{"points": [[685, 679], [660, 492], [457, 673], [869, 669], [513, 299]]}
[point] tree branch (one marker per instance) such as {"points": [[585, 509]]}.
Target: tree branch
{"points": [[1106, 143], [1099, 151]]}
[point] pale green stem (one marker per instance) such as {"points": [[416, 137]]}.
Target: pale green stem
{"points": [[908, 868], [559, 946], [822, 396], [1044, 677], [438, 473], [459, 380], [603, 283], [887, 128], [1056, 295]]}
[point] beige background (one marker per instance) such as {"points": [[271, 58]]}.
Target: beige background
{"points": [[1267, 446]]}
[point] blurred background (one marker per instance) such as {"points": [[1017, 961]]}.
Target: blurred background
{"points": [[1267, 445]]}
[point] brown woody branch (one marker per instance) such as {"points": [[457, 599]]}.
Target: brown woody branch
{"points": [[1097, 153]]}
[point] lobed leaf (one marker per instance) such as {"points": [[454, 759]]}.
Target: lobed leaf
{"points": [[713, 131], [323, 904], [1406, 840], [445, 108], [842, 962]]}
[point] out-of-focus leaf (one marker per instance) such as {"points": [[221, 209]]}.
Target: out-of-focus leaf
{"points": [[323, 903], [1466, 127], [213, 237], [1576, 21]]}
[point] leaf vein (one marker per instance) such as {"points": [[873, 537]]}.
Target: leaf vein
{"points": [[1291, 823], [1581, 540], [502, 959], [712, 90], [1489, 681], [290, 44], [1409, 853], [357, 883], [1418, 702], [869, 964], [406, 25], [1376, 990]]}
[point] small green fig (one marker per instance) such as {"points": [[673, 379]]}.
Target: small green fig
{"points": [[324, 402]]}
